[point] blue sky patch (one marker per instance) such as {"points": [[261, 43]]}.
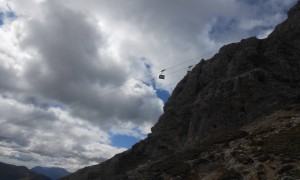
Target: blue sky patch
{"points": [[56, 105], [162, 94], [252, 2], [225, 30], [124, 141], [1, 18], [11, 15]]}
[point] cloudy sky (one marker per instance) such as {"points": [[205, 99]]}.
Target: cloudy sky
{"points": [[79, 78]]}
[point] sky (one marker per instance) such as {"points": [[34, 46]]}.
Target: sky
{"points": [[79, 78]]}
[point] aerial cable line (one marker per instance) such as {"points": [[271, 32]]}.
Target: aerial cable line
{"points": [[22, 119], [102, 95], [185, 62], [94, 94], [161, 76], [35, 115], [150, 75], [172, 72]]}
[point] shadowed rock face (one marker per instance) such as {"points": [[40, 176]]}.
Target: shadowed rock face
{"points": [[243, 82]]}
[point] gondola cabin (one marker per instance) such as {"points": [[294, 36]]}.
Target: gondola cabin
{"points": [[161, 76]]}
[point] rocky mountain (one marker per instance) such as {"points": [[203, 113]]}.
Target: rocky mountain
{"points": [[235, 116], [51, 172], [12, 172]]}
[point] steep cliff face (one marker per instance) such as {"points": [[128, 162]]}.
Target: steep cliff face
{"points": [[240, 83], [243, 82]]}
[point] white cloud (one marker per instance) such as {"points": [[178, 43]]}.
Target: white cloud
{"points": [[55, 136]]}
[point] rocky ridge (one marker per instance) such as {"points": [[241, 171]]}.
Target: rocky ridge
{"points": [[222, 116]]}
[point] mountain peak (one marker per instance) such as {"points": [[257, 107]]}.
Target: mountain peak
{"points": [[214, 108], [290, 27], [294, 11]]}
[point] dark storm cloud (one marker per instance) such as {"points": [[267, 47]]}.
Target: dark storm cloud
{"points": [[120, 104], [72, 70], [70, 61], [7, 76], [178, 23], [23, 157]]}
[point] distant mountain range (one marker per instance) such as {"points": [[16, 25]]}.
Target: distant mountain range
{"points": [[12, 172], [51, 172]]}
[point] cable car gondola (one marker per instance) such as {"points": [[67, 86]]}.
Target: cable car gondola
{"points": [[161, 76]]}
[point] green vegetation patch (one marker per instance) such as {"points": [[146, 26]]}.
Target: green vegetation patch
{"points": [[170, 165], [285, 169], [192, 153], [285, 143], [295, 174], [230, 175], [226, 137], [263, 130], [175, 164], [178, 168]]}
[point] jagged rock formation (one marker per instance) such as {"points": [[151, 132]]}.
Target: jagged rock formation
{"points": [[221, 118]]}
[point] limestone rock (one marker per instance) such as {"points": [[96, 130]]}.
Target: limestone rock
{"points": [[242, 83]]}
